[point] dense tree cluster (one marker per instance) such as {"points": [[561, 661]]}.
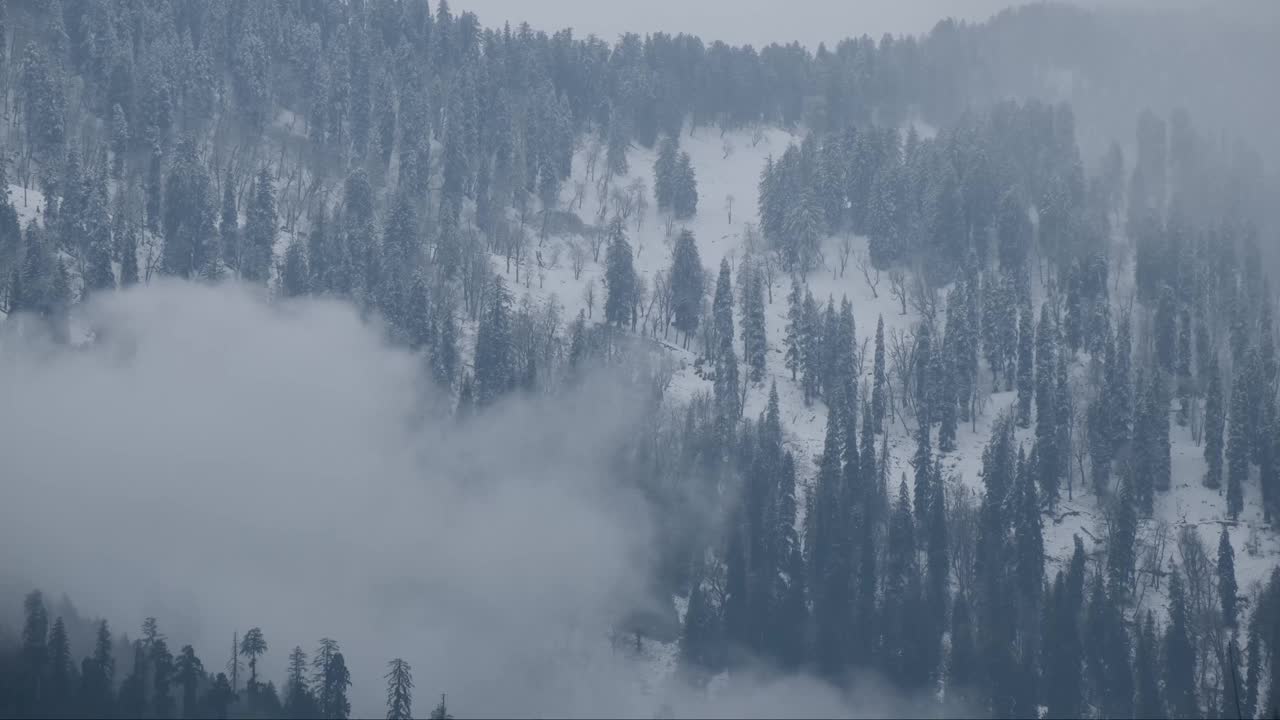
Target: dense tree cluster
{"points": [[397, 150], [117, 677]]}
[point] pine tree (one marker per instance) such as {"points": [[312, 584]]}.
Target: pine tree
{"points": [[494, 362], [684, 191], [1253, 673], [754, 340], [1028, 535], [828, 557], [1120, 387], [727, 401], [1227, 589], [35, 653], [98, 675], [664, 169], [295, 278], [441, 711], [444, 353], [700, 639], [687, 285], [60, 668], [878, 388], [260, 229], [1179, 655], [811, 349], [1120, 543], [399, 690], [161, 665], [1230, 663], [190, 671], [335, 683], [922, 376], [962, 666], [1213, 421], [1238, 441], [620, 278], [1148, 702], [252, 646], [794, 340], [218, 697], [321, 661], [1063, 646], [922, 463], [299, 702], [1025, 386]]}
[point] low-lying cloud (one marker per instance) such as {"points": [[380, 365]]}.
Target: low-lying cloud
{"points": [[221, 462]]}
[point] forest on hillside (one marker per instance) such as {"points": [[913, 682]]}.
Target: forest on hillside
{"points": [[954, 404]]}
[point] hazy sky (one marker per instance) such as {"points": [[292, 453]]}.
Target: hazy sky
{"points": [[754, 21]]}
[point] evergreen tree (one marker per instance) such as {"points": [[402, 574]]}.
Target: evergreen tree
{"points": [[260, 229], [727, 401], [1227, 589], [620, 278], [1119, 385], [1238, 441], [684, 189], [1148, 702], [962, 665], [494, 361], [754, 340], [160, 662], [794, 340], [1253, 673], [444, 353], [1179, 655], [252, 646], [1229, 664], [1213, 421], [922, 376], [441, 712], [878, 382], [190, 671], [299, 701], [829, 557], [811, 349], [1025, 386], [1120, 543], [60, 668], [687, 285], [1063, 645], [295, 278], [335, 683], [218, 698], [399, 690], [664, 172]]}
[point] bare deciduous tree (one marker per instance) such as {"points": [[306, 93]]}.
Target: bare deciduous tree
{"points": [[589, 296], [597, 237], [846, 248], [898, 288], [902, 363], [870, 273], [639, 191], [728, 206], [577, 257]]}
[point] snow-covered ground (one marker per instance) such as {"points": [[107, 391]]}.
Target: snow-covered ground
{"points": [[736, 174], [729, 165]]}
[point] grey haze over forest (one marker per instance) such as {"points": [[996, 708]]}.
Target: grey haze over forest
{"points": [[760, 22], [621, 373]]}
